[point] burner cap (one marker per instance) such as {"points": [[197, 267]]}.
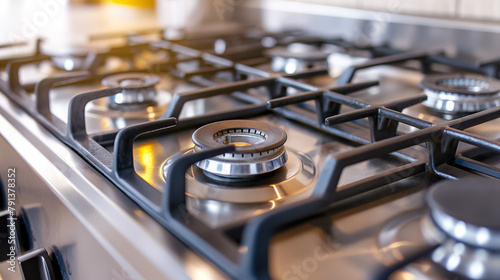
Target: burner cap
{"points": [[69, 55], [468, 210], [460, 93], [138, 89], [296, 57], [299, 51], [260, 147]]}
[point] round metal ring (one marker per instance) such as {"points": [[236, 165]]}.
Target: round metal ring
{"points": [[463, 84], [131, 80], [259, 148], [205, 137]]}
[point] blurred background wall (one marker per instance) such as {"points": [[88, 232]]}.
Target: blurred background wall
{"points": [[487, 10]]}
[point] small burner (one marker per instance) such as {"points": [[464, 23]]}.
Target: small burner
{"points": [[138, 90], [460, 93], [70, 56], [297, 57], [260, 147], [468, 211]]}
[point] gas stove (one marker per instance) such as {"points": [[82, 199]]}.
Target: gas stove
{"points": [[249, 155]]}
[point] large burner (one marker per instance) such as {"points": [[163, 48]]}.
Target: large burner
{"points": [[460, 93], [138, 90], [297, 57], [259, 150], [467, 211]]}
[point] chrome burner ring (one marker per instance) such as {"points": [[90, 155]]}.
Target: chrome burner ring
{"points": [[260, 148], [297, 57], [138, 90], [461, 93], [70, 55]]}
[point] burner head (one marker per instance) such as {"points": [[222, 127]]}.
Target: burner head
{"points": [[297, 57], [260, 147], [70, 56], [468, 210], [138, 90], [460, 93]]}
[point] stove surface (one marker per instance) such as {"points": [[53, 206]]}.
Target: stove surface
{"points": [[268, 164]]}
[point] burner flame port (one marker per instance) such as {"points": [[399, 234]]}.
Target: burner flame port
{"points": [[458, 93], [138, 90], [260, 148]]}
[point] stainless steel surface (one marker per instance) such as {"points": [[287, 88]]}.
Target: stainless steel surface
{"points": [[352, 244], [318, 9], [91, 222], [104, 230], [138, 90], [100, 117], [297, 174], [221, 202], [307, 150], [463, 38]]}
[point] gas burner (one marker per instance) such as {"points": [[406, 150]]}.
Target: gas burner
{"points": [[288, 182], [467, 211], [297, 57], [70, 56], [260, 148], [138, 90], [461, 93]]}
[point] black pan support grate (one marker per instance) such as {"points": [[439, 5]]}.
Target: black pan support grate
{"points": [[168, 208]]}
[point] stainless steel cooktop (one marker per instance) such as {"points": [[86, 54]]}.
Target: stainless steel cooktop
{"points": [[282, 155]]}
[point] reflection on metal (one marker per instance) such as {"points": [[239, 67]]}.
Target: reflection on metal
{"points": [[199, 270], [293, 178], [297, 57], [146, 155], [277, 192], [138, 90], [99, 111], [273, 204], [401, 237], [468, 261], [458, 93]]}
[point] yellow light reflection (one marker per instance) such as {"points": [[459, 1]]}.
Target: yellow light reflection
{"points": [[145, 155], [277, 192], [139, 213], [198, 269], [243, 249], [105, 124], [151, 113], [403, 275], [273, 204], [395, 250]]}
